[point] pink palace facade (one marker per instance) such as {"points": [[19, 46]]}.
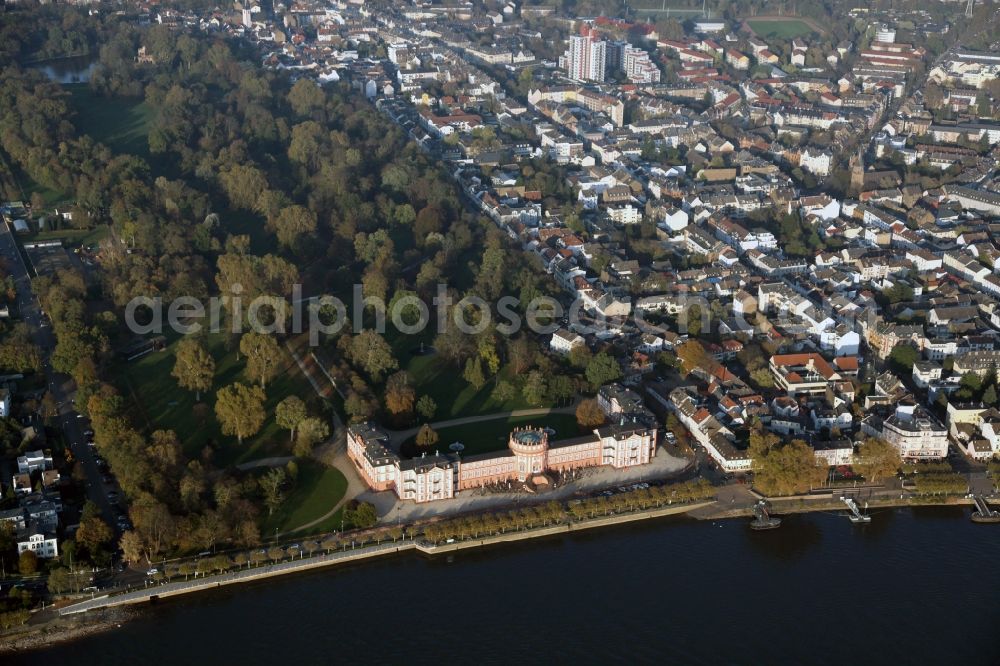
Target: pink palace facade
{"points": [[529, 453]]}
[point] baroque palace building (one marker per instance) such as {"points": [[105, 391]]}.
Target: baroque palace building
{"points": [[529, 453]]}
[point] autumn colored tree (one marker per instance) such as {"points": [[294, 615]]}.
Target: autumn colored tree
{"points": [[293, 225], [426, 437], [240, 410], [589, 414], [369, 351], [263, 355], [400, 395], [692, 355], [312, 431], [194, 367], [289, 413], [27, 563], [93, 532], [877, 458]]}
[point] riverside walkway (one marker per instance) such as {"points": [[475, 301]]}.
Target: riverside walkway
{"points": [[163, 590]]}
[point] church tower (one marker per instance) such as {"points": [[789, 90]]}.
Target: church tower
{"points": [[858, 170]]}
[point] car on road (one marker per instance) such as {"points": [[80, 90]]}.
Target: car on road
{"points": [[88, 433], [153, 572], [113, 495]]}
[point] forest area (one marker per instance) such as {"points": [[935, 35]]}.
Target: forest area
{"points": [[252, 183]]}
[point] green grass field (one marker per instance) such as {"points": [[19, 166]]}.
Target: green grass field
{"points": [[492, 435], [70, 237], [780, 28], [161, 404], [120, 124], [454, 396], [317, 489]]}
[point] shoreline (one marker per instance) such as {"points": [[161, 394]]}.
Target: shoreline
{"points": [[85, 622], [63, 629]]}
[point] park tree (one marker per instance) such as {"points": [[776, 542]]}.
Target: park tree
{"points": [[194, 367], [503, 391], [294, 224], [263, 355], [271, 484], [62, 580], [487, 348], [580, 356], [369, 351], [902, 357], [240, 410], [561, 389], [399, 394], [131, 546], [306, 97], [426, 407], [692, 355], [93, 533], [602, 369], [156, 526], [473, 373], [361, 515], [27, 563], [589, 414], [784, 468], [534, 388], [521, 353], [243, 185], [312, 431], [289, 413], [426, 437], [877, 458]]}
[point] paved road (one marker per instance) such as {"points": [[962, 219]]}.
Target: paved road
{"points": [[61, 386]]}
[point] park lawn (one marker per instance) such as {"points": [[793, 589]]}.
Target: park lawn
{"points": [[331, 524], [49, 196], [317, 489], [454, 396], [163, 405], [780, 28], [70, 237], [492, 435], [120, 123]]}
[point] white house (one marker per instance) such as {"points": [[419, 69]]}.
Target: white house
{"points": [[44, 546], [564, 341], [674, 219], [816, 162], [33, 461]]}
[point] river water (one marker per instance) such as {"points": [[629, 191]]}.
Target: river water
{"points": [[913, 587]]}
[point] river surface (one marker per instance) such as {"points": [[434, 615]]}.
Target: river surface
{"points": [[913, 587], [74, 69]]}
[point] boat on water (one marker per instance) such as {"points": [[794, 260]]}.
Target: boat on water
{"points": [[762, 518]]}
